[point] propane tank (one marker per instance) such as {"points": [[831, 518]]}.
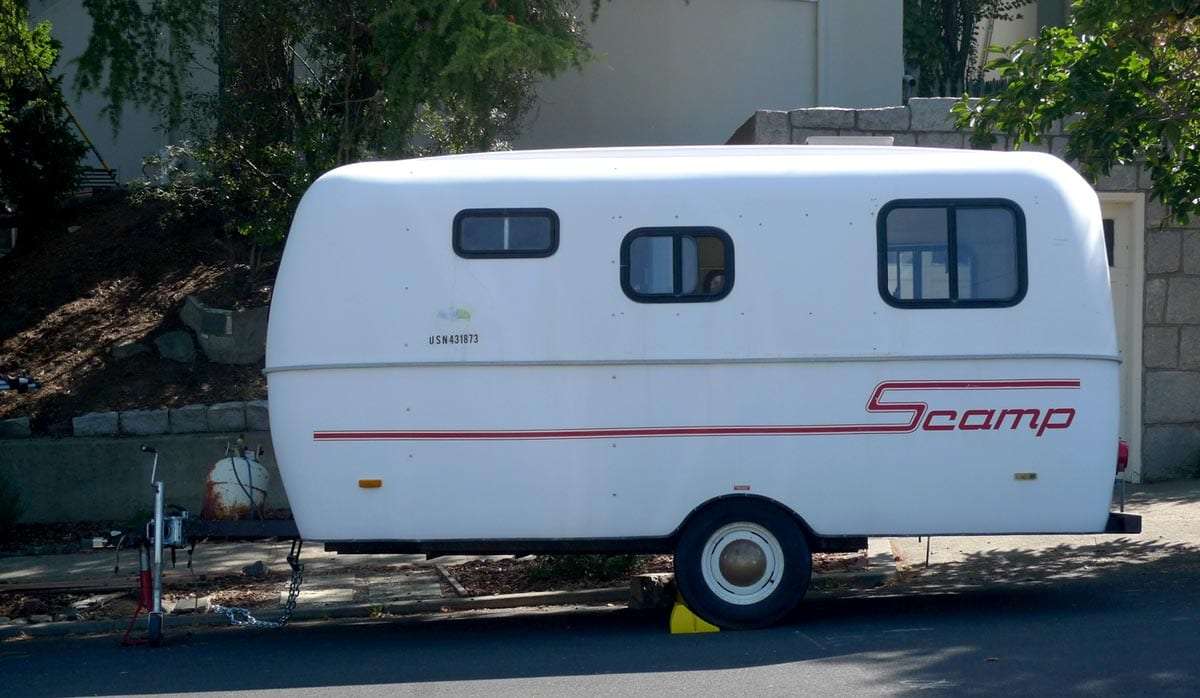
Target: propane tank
{"points": [[237, 484]]}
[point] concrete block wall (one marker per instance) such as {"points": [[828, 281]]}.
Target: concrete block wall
{"points": [[1171, 333], [107, 479]]}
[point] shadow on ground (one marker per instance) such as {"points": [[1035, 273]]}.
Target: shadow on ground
{"points": [[1116, 617]]}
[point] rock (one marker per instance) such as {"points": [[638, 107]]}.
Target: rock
{"points": [[15, 428], [176, 346], [227, 336], [128, 350], [227, 416], [192, 605], [189, 420], [144, 422], [257, 416], [29, 606], [246, 341], [5, 619], [258, 570], [654, 590], [41, 618], [95, 424]]}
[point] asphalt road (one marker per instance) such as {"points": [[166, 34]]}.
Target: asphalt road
{"points": [[1004, 625]]}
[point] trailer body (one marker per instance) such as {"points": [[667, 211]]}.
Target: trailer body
{"points": [[581, 349]]}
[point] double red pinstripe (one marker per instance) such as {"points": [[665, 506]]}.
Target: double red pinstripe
{"points": [[874, 405]]}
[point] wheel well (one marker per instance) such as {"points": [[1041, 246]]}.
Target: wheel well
{"points": [[809, 535], [816, 542]]}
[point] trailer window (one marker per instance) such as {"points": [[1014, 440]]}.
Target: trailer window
{"points": [[962, 253], [676, 265], [511, 232]]}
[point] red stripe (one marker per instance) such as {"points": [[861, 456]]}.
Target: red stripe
{"points": [[873, 405]]}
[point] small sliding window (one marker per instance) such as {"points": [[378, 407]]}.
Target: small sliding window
{"points": [[677, 265], [959, 253], [481, 233]]}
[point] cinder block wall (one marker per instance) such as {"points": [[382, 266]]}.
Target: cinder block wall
{"points": [[99, 478], [1171, 333]]}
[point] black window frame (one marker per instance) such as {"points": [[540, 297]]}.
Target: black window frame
{"points": [[951, 206], [456, 233], [676, 233]]}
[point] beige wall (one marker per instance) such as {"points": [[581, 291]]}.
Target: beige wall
{"points": [[139, 135], [668, 72], [673, 72]]}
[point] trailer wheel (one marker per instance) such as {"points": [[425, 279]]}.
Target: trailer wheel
{"points": [[742, 564]]}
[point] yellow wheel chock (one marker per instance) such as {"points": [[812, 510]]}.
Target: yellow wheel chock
{"points": [[684, 622]]}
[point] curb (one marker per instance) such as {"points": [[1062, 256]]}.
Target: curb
{"points": [[583, 597]]}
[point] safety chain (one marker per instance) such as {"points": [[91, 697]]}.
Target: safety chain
{"points": [[241, 616]]}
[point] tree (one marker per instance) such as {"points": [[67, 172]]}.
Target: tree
{"points": [[39, 152], [1125, 77], [941, 41], [306, 85]]}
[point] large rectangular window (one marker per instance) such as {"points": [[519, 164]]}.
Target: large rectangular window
{"points": [[506, 232], [951, 253], [676, 265]]}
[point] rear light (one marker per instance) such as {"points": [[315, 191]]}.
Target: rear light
{"points": [[1122, 455]]}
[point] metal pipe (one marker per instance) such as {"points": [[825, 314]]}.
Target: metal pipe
{"points": [[156, 569]]}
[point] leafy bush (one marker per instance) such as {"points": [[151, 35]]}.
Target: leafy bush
{"points": [[39, 152], [600, 568]]}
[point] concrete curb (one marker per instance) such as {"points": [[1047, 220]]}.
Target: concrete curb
{"points": [[583, 597]]}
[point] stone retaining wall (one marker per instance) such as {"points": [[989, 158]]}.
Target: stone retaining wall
{"points": [[221, 418], [1171, 333]]}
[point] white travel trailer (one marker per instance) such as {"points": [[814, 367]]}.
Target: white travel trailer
{"points": [[739, 354]]}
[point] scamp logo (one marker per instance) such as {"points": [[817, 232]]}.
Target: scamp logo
{"points": [[1037, 420]]}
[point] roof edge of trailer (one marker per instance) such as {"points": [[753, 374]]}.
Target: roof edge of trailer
{"points": [[705, 162]]}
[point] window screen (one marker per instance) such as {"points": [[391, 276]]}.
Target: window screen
{"points": [[951, 253], [518, 232], [676, 265]]}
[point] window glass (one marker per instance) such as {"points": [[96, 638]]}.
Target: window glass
{"points": [[959, 253], [506, 233], [677, 264], [652, 264], [987, 253], [917, 242]]}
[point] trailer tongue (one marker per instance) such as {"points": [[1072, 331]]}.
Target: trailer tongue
{"points": [[178, 530]]}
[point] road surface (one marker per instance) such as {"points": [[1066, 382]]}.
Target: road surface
{"points": [[1110, 620]]}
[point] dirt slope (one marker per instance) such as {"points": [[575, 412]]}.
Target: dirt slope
{"points": [[120, 276]]}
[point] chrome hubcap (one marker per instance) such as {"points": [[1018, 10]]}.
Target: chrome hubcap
{"points": [[742, 562]]}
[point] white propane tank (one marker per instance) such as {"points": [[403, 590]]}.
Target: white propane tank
{"points": [[236, 486]]}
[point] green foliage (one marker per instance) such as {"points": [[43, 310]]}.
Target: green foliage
{"points": [[39, 153], [941, 41], [1125, 75], [308, 85], [10, 506], [596, 568]]}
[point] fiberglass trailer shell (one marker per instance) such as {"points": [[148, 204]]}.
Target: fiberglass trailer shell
{"points": [[606, 349]]}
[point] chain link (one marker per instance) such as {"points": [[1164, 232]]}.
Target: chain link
{"points": [[241, 616]]}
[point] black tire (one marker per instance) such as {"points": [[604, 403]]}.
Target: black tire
{"points": [[789, 588]]}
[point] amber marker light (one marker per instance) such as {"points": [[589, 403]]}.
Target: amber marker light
{"points": [[370, 484]]}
